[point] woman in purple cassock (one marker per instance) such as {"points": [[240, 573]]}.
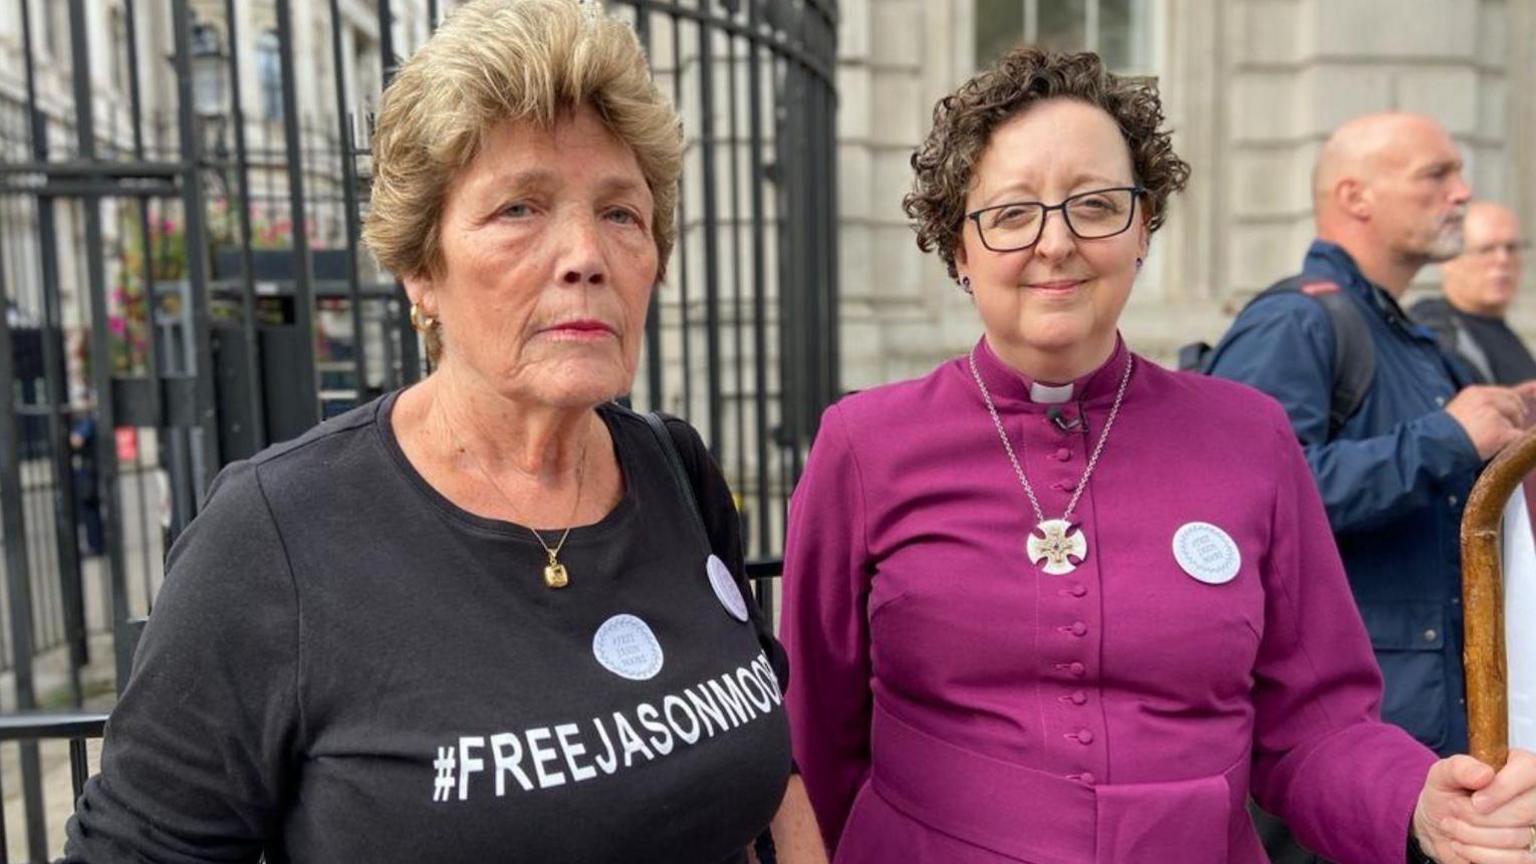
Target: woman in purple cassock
{"points": [[1053, 603]]}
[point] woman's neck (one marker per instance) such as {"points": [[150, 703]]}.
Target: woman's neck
{"points": [[1054, 366], [504, 436]]}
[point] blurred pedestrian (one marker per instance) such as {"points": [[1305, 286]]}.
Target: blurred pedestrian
{"points": [[1394, 475], [83, 462], [1479, 285], [1393, 435]]}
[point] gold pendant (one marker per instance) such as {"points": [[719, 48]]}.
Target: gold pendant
{"points": [[1062, 542], [554, 574]]}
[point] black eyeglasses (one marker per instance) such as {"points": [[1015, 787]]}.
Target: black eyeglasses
{"points": [[1089, 215]]}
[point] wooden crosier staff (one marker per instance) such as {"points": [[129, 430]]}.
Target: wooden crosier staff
{"points": [[1482, 597]]}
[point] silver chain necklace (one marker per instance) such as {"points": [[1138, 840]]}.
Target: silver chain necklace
{"points": [[1062, 541]]}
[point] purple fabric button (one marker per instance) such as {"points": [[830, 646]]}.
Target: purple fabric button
{"points": [[1078, 697], [1085, 736], [1063, 454], [1086, 778], [1077, 590], [1078, 628], [1077, 669]]}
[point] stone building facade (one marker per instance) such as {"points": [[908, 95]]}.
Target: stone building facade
{"points": [[1251, 88]]}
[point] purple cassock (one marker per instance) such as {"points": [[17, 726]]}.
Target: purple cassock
{"points": [[951, 702]]}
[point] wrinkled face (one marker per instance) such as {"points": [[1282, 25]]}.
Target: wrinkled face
{"points": [[1060, 299], [547, 264], [1483, 280], [1418, 194]]}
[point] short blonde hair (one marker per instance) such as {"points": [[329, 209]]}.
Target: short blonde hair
{"points": [[498, 60]]}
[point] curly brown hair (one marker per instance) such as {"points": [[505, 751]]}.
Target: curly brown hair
{"points": [[963, 123]]}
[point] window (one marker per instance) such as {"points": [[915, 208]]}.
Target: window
{"points": [[269, 76], [1119, 30]]}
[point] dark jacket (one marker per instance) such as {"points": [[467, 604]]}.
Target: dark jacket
{"points": [[1394, 479], [1485, 344]]}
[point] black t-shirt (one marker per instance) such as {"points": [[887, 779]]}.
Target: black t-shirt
{"points": [[344, 666]]}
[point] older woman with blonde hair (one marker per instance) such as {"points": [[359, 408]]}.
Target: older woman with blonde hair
{"points": [[494, 616], [1054, 603]]}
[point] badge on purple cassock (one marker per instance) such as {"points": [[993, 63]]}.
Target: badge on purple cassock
{"points": [[1207, 553]]}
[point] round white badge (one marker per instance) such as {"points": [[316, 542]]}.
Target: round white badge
{"points": [[1206, 553], [726, 591], [626, 647]]}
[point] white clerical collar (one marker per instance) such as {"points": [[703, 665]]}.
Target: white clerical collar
{"points": [[1048, 395]]}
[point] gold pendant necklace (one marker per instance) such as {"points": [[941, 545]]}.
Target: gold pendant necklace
{"points": [[1059, 546], [555, 574]]}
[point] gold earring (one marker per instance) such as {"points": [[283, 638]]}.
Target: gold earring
{"points": [[421, 322]]}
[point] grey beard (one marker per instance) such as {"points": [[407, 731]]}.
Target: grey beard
{"points": [[1447, 245]]}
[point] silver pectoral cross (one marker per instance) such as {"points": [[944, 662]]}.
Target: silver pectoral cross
{"points": [[1061, 543]]}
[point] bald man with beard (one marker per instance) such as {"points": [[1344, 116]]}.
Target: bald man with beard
{"points": [[1479, 286], [1388, 198]]}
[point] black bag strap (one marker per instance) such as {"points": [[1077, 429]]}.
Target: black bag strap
{"points": [[763, 845], [1354, 353], [679, 471], [1195, 357]]}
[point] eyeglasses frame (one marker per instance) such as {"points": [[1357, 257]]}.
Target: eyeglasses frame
{"points": [[1137, 192]]}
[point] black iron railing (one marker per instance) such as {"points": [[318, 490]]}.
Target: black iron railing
{"points": [[28, 729]]}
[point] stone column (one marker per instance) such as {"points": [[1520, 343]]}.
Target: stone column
{"points": [[1520, 25], [1193, 89]]}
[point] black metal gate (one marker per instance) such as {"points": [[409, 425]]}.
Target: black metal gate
{"points": [[181, 284]]}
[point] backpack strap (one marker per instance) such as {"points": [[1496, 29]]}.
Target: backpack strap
{"points": [[1195, 357], [1354, 353], [763, 844], [680, 477]]}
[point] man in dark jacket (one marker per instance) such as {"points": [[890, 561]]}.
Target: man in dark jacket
{"points": [[1388, 198], [1479, 286]]}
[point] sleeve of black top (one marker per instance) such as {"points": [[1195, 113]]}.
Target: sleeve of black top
{"points": [[1416, 853], [197, 752], [723, 525]]}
